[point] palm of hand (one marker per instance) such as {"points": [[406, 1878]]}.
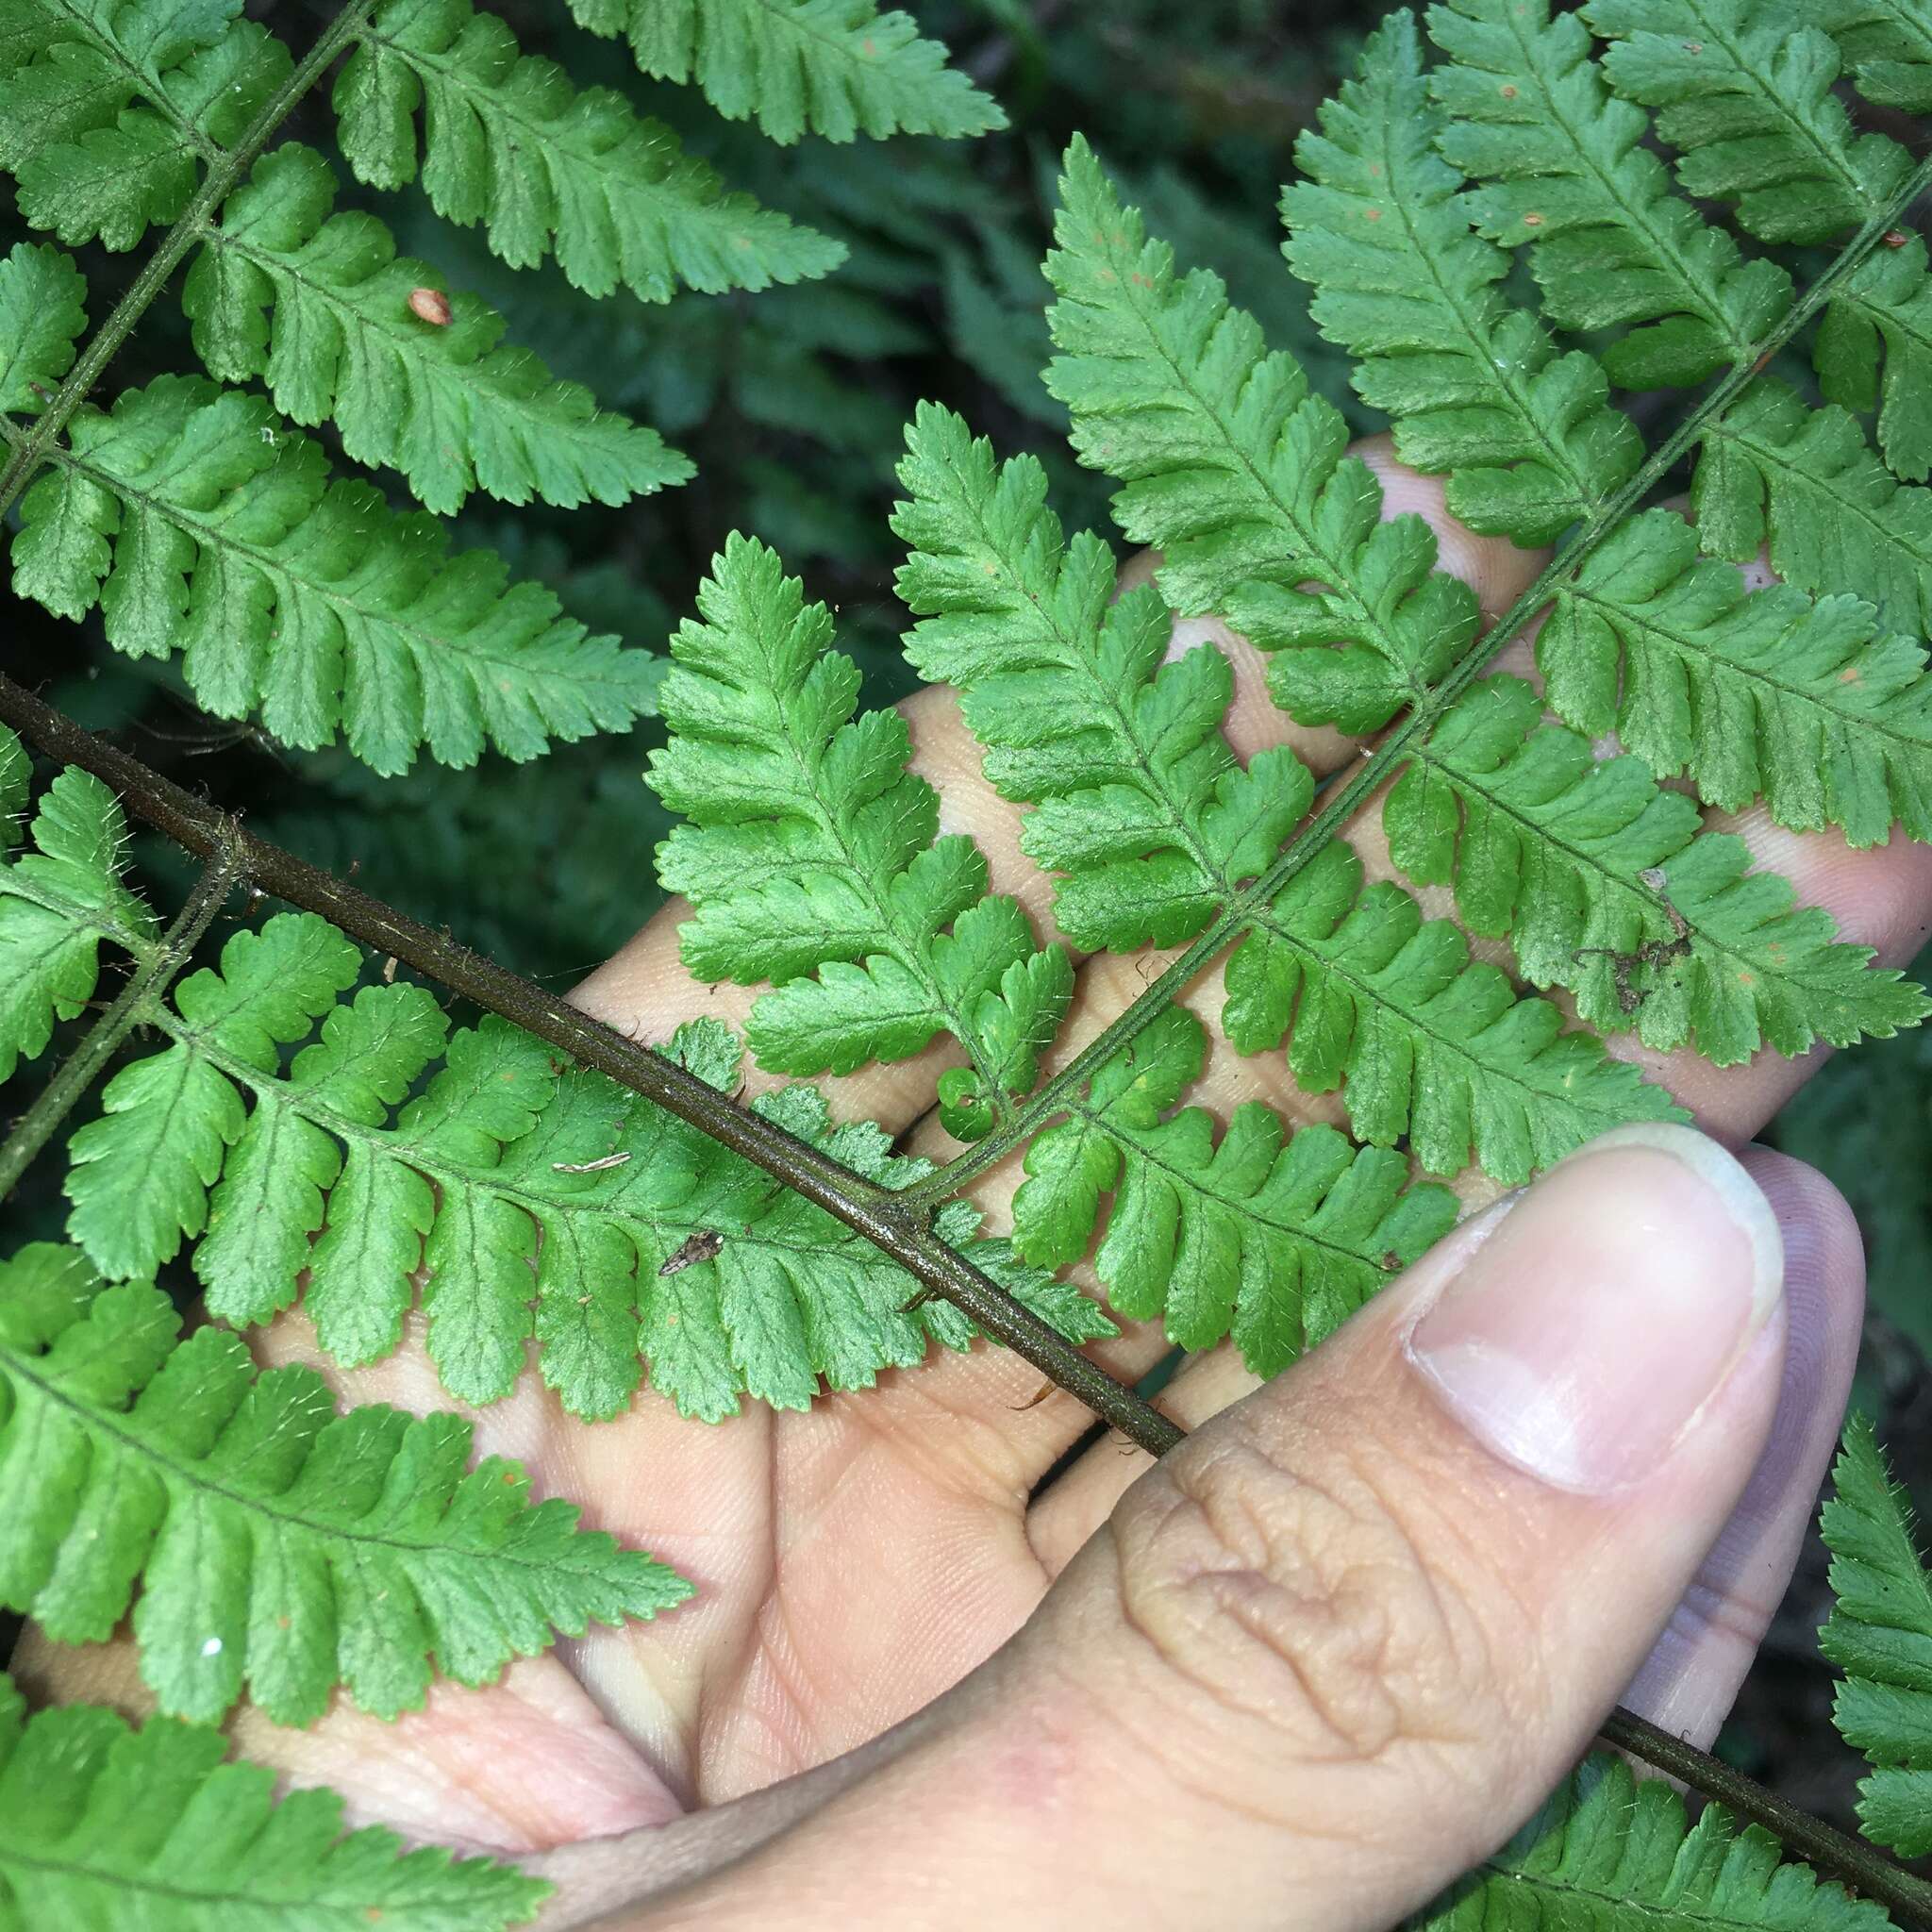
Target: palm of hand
{"points": [[854, 1563]]}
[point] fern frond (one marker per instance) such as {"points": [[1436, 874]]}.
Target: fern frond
{"points": [[1880, 1635], [318, 305], [811, 858], [213, 1851], [1559, 162], [1272, 1237], [57, 903], [1610, 1852], [1143, 810], [1745, 93], [280, 1549], [1424, 1042], [1238, 475], [510, 142], [1378, 230], [1888, 47], [43, 312], [1749, 103], [1606, 883], [1750, 693], [1144, 807], [199, 524], [311, 1172], [112, 104], [1805, 483], [1874, 350], [835, 68]]}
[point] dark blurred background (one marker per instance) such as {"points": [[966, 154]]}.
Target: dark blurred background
{"points": [[790, 403]]}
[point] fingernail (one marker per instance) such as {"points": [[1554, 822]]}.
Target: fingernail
{"points": [[1581, 1339]]}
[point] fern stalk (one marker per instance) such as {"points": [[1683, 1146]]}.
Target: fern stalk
{"points": [[133, 1004], [222, 175], [1404, 738]]}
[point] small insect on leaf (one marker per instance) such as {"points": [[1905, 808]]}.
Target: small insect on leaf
{"points": [[432, 304], [597, 1166], [701, 1245]]}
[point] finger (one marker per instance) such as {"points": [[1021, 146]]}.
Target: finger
{"points": [[1690, 1679], [1352, 1631]]}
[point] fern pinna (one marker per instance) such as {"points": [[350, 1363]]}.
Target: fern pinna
{"points": [[1458, 948]]}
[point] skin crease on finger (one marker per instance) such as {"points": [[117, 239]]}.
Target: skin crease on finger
{"points": [[793, 1654]]}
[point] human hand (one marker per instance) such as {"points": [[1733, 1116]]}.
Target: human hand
{"points": [[1324, 1656]]}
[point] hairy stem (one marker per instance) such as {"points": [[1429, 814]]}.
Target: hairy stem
{"points": [[224, 172], [1344, 800], [1867, 1871], [884, 1218], [150, 978]]}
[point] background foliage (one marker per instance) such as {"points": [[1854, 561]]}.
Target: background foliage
{"points": [[790, 404]]}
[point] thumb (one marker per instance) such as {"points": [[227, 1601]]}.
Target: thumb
{"points": [[1334, 1648]]}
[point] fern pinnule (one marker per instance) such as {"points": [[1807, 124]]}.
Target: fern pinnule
{"points": [[1378, 228], [112, 108], [319, 306], [1805, 485], [43, 312], [1605, 882], [108, 1824], [1809, 704], [509, 141], [1880, 1634], [1558, 163], [1238, 475], [812, 859], [837, 68], [59, 901], [280, 1548], [199, 524], [1271, 1236]]}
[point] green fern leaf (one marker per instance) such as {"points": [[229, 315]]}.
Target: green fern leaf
{"points": [[1378, 230], [280, 1549], [1744, 91], [1881, 320], [442, 403], [1888, 47], [1750, 104], [113, 104], [1608, 1852], [510, 142], [1880, 1635], [1748, 692], [214, 1851], [1143, 809], [43, 312], [812, 859], [1605, 883], [836, 68], [308, 602], [57, 903], [1560, 162], [140, 1174], [1276, 1237], [1238, 475], [1424, 1042], [1804, 482], [311, 1172]]}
